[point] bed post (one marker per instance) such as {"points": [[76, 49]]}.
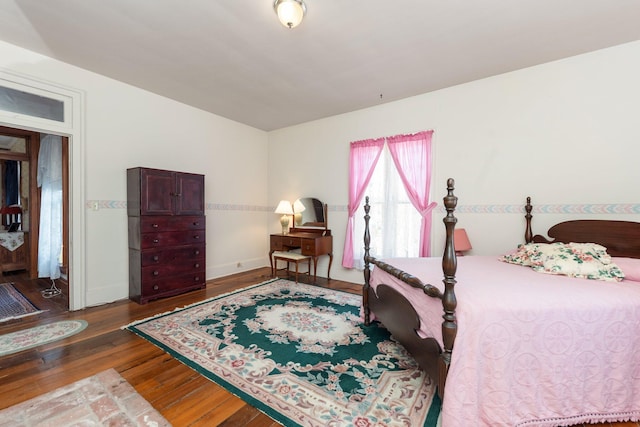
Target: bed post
{"points": [[528, 234], [367, 271], [449, 302]]}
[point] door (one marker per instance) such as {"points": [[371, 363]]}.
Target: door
{"points": [[157, 189], [30, 199], [189, 194]]}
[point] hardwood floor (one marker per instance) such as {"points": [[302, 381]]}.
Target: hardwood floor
{"points": [[183, 396]]}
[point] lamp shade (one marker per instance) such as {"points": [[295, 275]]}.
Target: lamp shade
{"points": [[290, 12], [298, 206], [284, 208], [461, 240]]}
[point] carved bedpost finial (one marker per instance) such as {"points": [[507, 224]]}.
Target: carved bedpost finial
{"points": [[367, 270], [449, 260], [450, 202], [528, 234], [367, 235], [449, 267]]}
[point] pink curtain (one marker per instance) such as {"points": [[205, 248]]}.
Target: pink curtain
{"points": [[363, 156], [412, 156]]}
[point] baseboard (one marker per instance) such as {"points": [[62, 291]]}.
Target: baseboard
{"points": [[222, 270]]}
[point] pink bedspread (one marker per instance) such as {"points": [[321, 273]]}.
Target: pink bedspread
{"points": [[532, 349]]}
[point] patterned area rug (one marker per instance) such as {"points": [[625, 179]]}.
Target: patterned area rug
{"points": [[105, 399], [39, 335], [300, 354], [13, 304]]}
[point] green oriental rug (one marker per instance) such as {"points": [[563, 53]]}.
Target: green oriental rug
{"points": [[300, 354]]}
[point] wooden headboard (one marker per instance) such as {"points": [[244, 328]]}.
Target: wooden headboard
{"points": [[621, 238]]}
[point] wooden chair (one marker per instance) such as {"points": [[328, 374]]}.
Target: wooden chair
{"points": [[11, 215], [290, 257]]}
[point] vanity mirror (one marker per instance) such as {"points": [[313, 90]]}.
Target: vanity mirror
{"points": [[309, 212]]}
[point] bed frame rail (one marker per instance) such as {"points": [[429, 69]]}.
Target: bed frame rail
{"points": [[448, 297]]}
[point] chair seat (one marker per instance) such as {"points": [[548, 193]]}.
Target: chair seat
{"points": [[295, 257]]}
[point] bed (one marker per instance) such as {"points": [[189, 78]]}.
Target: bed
{"points": [[511, 346]]}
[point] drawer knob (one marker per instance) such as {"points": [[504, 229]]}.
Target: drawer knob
{"points": [[307, 247], [154, 225], [196, 223], [156, 272], [197, 236], [155, 240], [155, 287], [196, 279], [156, 257], [197, 266], [197, 252]]}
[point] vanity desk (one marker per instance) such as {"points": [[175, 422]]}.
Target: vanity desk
{"points": [[309, 234], [311, 242]]}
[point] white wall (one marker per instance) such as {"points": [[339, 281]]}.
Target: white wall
{"points": [[127, 127], [564, 133]]}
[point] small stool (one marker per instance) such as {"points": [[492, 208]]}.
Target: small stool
{"points": [[290, 257]]}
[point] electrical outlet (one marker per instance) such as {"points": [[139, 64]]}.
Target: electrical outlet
{"points": [[95, 205]]}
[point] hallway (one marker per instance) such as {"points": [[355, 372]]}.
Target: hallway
{"points": [[32, 289]]}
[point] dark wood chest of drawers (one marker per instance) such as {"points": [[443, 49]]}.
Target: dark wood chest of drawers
{"points": [[167, 233]]}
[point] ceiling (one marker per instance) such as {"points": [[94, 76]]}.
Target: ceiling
{"points": [[233, 57]]}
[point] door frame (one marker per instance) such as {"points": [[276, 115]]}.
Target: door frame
{"points": [[73, 127]]}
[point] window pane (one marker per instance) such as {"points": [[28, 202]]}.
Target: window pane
{"points": [[29, 104], [395, 223]]}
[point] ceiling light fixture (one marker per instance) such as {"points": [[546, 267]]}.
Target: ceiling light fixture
{"points": [[290, 12]]}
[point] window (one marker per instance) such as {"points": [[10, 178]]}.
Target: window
{"points": [[402, 182], [395, 224], [30, 104]]}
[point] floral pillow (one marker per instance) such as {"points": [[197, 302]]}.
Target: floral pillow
{"points": [[519, 256], [593, 249], [586, 260], [529, 254]]}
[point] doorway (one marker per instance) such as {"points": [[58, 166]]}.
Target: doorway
{"points": [[19, 150]]}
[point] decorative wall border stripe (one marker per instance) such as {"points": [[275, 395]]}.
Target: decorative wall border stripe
{"points": [[120, 204], [237, 207], [105, 204], [485, 209], [582, 209]]}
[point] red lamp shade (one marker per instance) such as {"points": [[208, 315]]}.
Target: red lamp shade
{"points": [[461, 241]]}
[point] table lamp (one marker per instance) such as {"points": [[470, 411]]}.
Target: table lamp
{"points": [[461, 241], [284, 208], [298, 207]]}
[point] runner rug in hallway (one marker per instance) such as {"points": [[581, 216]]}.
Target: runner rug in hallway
{"points": [[13, 304], [299, 353], [39, 335], [105, 399]]}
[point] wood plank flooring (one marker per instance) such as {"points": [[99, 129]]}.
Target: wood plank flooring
{"points": [[183, 396]]}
